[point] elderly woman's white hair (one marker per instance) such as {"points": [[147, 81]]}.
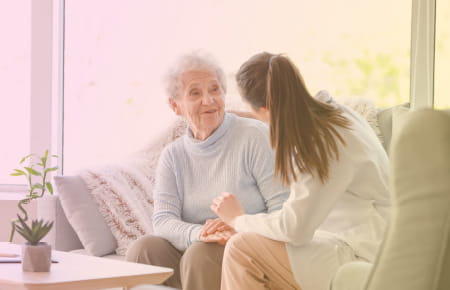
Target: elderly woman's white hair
{"points": [[193, 61]]}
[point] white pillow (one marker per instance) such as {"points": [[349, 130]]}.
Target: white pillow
{"points": [[84, 217]]}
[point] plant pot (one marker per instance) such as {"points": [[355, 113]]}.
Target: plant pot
{"points": [[36, 258]]}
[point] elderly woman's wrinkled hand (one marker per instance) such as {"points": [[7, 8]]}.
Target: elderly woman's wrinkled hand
{"points": [[228, 207], [220, 237]]}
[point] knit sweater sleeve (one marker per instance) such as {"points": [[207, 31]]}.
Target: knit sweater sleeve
{"points": [[262, 162], [167, 216]]}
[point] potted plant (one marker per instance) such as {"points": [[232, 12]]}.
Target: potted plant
{"points": [[36, 255]]}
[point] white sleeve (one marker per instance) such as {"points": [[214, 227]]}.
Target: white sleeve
{"points": [[308, 205]]}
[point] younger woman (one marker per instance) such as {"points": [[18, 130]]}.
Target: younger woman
{"points": [[337, 170]]}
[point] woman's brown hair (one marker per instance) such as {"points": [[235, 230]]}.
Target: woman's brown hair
{"points": [[302, 129]]}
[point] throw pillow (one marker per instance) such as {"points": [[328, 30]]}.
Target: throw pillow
{"points": [[122, 196], [84, 217], [124, 192], [367, 109], [386, 122]]}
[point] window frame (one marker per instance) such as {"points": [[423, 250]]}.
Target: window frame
{"points": [[423, 41], [46, 80]]}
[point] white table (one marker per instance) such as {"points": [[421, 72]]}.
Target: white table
{"points": [[80, 272]]}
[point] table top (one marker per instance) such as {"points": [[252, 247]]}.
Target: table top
{"points": [[76, 271]]}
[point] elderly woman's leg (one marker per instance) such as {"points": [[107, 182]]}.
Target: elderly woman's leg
{"points": [[201, 266], [157, 251], [254, 262]]}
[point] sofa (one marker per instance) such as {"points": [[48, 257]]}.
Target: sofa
{"points": [[93, 236]]}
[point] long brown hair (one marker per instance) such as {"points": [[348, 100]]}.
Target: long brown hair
{"points": [[302, 129]]}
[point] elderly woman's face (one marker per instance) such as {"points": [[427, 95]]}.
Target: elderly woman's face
{"points": [[200, 102]]}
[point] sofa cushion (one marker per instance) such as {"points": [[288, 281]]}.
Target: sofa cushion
{"points": [[385, 121], [399, 116], [84, 216], [352, 276]]}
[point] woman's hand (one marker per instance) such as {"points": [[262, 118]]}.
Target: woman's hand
{"points": [[218, 237], [215, 225], [228, 207]]}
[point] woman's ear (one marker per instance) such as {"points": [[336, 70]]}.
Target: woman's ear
{"points": [[174, 106], [264, 109]]}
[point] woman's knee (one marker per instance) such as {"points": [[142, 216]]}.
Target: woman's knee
{"points": [[201, 266], [241, 242], [144, 247], [202, 254], [241, 248]]}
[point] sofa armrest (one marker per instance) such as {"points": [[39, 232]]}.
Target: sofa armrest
{"points": [[62, 237]]}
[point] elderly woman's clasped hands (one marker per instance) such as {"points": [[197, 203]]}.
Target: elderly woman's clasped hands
{"points": [[228, 208], [220, 230], [216, 231]]}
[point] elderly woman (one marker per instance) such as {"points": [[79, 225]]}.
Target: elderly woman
{"points": [[220, 152]]}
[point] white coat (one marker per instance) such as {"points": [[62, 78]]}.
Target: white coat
{"points": [[327, 225]]}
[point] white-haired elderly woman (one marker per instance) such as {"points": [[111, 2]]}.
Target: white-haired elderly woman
{"points": [[219, 152]]}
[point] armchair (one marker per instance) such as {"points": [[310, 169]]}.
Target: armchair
{"points": [[415, 253]]}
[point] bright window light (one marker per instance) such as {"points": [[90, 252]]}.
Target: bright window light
{"points": [[15, 29], [115, 58]]}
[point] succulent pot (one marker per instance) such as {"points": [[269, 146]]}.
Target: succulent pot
{"points": [[36, 258]]}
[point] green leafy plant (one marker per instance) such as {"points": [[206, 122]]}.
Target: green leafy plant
{"points": [[36, 175], [36, 232]]}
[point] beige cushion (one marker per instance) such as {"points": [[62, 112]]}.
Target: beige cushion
{"points": [[415, 252], [386, 119], [352, 276], [399, 116]]}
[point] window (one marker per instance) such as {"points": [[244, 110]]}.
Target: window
{"points": [[115, 58], [442, 55], [15, 61]]}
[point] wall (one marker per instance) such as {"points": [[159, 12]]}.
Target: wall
{"points": [[8, 211]]}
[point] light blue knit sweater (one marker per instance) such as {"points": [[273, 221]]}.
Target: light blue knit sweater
{"points": [[236, 158]]}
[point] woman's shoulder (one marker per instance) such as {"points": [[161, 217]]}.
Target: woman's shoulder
{"points": [[250, 126], [172, 148]]}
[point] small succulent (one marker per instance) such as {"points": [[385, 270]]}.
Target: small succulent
{"points": [[34, 234]]}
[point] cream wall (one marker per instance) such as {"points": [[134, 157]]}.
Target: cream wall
{"points": [[8, 211]]}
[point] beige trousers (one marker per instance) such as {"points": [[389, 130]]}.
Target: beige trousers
{"points": [[197, 268], [254, 262]]}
